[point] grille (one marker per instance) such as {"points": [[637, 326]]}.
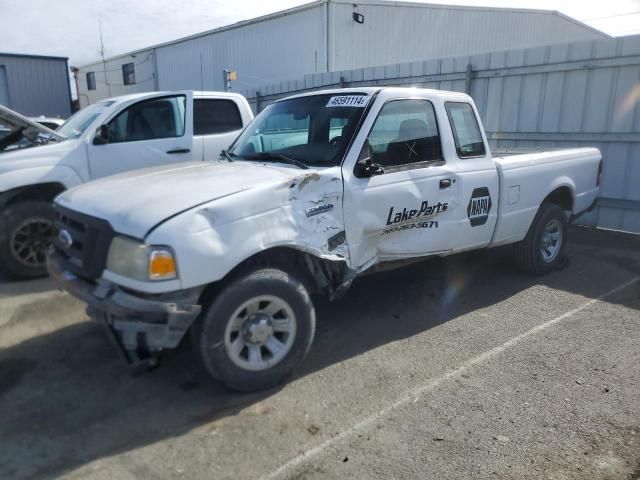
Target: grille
{"points": [[91, 237]]}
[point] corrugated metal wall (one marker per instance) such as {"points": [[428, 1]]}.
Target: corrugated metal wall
{"points": [[111, 82], [394, 34], [283, 46], [322, 36], [568, 95], [37, 85]]}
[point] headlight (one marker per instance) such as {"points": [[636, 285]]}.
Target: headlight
{"points": [[133, 259]]}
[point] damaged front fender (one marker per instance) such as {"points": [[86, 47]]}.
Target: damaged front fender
{"points": [[304, 213]]}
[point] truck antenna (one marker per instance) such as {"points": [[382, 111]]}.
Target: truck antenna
{"points": [[201, 75]]}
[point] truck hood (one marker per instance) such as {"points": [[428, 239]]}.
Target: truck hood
{"points": [[135, 202], [16, 129]]}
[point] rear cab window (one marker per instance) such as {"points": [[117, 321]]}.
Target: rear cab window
{"points": [[215, 116], [466, 131]]}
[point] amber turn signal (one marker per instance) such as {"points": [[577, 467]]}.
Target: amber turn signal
{"points": [[162, 265]]}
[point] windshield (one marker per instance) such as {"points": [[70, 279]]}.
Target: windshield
{"points": [[315, 130], [80, 121]]}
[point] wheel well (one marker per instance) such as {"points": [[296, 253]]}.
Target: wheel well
{"points": [[316, 274], [561, 197], [43, 191]]}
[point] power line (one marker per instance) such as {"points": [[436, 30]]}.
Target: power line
{"points": [[84, 80], [610, 16], [622, 32], [148, 57]]}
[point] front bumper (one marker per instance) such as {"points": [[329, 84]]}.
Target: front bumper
{"points": [[139, 324]]}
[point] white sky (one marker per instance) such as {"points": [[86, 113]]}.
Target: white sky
{"points": [[70, 27]]}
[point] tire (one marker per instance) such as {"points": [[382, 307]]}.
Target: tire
{"points": [[26, 231], [237, 347], [550, 229]]}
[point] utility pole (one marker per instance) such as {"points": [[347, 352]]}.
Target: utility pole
{"points": [[226, 84], [75, 71], [104, 64]]}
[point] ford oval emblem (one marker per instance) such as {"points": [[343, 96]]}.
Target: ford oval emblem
{"points": [[65, 239]]}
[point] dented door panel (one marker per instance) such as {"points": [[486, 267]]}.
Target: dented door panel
{"points": [[401, 214]]}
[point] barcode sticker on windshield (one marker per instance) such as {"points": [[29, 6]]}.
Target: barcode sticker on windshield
{"points": [[348, 101]]}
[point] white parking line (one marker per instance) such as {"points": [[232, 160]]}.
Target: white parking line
{"points": [[413, 394]]}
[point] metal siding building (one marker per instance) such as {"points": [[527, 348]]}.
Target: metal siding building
{"points": [[395, 32], [259, 50], [35, 85], [323, 37]]}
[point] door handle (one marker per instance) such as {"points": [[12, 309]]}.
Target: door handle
{"points": [[179, 150], [445, 183]]}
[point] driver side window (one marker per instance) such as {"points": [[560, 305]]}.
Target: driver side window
{"points": [[149, 119], [405, 133]]}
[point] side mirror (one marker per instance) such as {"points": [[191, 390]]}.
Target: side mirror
{"points": [[365, 167], [103, 135]]}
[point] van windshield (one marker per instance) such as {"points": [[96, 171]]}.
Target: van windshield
{"points": [[80, 121], [315, 130]]}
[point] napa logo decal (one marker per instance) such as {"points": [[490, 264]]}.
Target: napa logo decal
{"points": [[479, 206]]}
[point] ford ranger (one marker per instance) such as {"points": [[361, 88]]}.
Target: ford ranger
{"points": [[318, 189], [108, 137]]}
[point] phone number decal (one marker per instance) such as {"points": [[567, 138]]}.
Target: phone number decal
{"points": [[427, 224], [348, 101]]}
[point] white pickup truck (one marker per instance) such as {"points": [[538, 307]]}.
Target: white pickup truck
{"points": [[318, 189], [108, 137]]}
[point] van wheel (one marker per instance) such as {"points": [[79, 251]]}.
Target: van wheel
{"points": [[26, 231], [543, 249], [256, 330]]}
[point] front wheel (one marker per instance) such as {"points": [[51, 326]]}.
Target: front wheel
{"points": [[256, 330], [26, 231], [543, 249]]}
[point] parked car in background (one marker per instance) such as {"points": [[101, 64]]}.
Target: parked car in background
{"points": [[18, 131], [319, 189], [4, 131], [106, 138], [49, 122]]}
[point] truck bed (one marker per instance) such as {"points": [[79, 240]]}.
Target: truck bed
{"points": [[526, 179]]}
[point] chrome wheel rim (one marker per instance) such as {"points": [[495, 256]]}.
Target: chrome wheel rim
{"points": [[260, 332], [30, 241], [551, 241]]}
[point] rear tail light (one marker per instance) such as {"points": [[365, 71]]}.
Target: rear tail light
{"points": [[599, 178]]}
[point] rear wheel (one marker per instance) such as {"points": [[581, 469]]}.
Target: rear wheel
{"points": [[256, 330], [26, 231], [543, 249]]}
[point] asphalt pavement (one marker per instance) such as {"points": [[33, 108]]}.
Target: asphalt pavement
{"points": [[451, 368]]}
